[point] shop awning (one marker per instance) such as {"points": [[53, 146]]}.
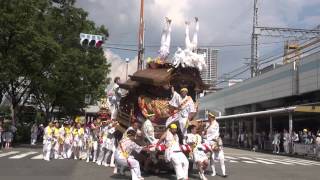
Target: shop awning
{"points": [[257, 113]]}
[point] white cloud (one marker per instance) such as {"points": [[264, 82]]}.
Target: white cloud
{"points": [[221, 22], [119, 65]]}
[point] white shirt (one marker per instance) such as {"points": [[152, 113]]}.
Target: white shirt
{"points": [[126, 146], [213, 131], [172, 141], [194, 139], [148, 131], [187, 102]]}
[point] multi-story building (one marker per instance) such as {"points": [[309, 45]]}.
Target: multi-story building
{"points": [[209, 74]]}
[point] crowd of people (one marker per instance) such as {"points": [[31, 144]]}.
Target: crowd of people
{"points": [[100, 142], [280, 141]]}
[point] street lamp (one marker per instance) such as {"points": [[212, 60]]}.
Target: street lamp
{"points": [[127, 61]]}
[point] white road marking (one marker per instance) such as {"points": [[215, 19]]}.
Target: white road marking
{"points": [[246, 158], [8, 153], [305, 161], [229, 157], [40, 156], [232, 161], [296, 162], [276, 161], [249, 162], [264, 162], [23, 155]]}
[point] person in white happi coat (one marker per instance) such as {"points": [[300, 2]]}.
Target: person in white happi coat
{"points": [[148, 130], [198, 152], [110, 144], [165, 40], [48, 141], [212, 135], [34, 134], [174, 154], [67, 143], [115, 97], [136, 127], [123, 155], [78, 141], [56, 136], [95, 131], [103, 146], [184, 110]]}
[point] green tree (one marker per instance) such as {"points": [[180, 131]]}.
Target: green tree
{"points": [[79, 70], [40, 55], [23, 45]]}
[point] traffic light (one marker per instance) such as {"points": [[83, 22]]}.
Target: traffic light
{"points": [[91, 40]]}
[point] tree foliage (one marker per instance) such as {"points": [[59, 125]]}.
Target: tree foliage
{"points": [[40, 55]]}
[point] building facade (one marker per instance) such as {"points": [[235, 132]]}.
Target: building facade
{"points": [[209, 74]]}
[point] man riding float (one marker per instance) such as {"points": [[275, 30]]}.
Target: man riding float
{"points": [[184, 110]]}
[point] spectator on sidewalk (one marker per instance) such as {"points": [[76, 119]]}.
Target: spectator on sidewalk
{"points": [[241, 139], [7, 135], [1, 130], [286, 141], [318, 145], [250, 139], [294, 139], [276, 142], [34, 134]]}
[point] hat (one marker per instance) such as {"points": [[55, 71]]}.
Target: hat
{"points": [[210, 114], [173, 126], [184, 90]]}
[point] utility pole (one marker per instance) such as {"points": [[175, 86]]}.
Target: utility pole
{"points": [[254, 41], [141, 36]]}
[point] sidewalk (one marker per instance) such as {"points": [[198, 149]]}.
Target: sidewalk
{"points": [[280, 154]]}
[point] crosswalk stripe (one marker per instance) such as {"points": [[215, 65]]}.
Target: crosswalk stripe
{"points": [[246, 158], [264, 162], [22, 155], [8, 153], [249, 162], [275, 161], [306, 162], [40, 156], [229, 157], [296, 162], [232, 161]]}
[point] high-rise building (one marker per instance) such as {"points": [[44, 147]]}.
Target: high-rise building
{"points": [[209, 74]]}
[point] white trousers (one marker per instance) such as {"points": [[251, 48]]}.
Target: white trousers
{"points": [[47, 147], [180, 164], [67, 150], [33, 138], [132, 163], [218, 156], [183, 126], [192, 45], [165, 41]]}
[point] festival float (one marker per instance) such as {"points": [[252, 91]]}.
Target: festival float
{"points": [[149, 90]]}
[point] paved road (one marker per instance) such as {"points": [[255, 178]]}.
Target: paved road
{"points": [[27, 164]]}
